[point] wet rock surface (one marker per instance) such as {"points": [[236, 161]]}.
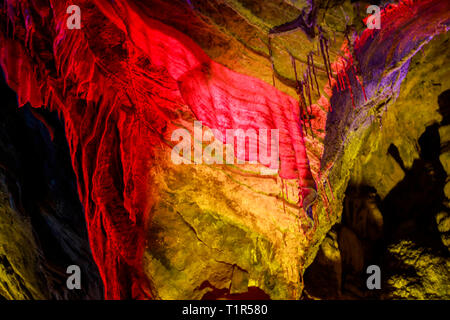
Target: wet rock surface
{"points": [[219, 232]]}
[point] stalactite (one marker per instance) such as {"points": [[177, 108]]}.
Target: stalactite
{"points": [[310, 82], [327, 55], [287, 192], [339, 82], [176, 65], [350, 89], [324, 53], [304, 113], [342, 77], [269, 43], [355, 73], [314, 73], [301, 99]]}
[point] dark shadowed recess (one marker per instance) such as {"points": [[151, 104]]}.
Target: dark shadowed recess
{"points": [[253, 293], [34, 156]]}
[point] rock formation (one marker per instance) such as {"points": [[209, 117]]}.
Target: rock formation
{"points": [[357, 141]]}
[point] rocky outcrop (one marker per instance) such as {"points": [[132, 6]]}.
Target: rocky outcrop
{"points": [[137, 71], [396, 206], [416, 272], [42, 226]]}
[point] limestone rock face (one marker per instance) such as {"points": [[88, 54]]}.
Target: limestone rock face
{"points": [[226, 231], [367, 160], [421, 274], [208, 238]]}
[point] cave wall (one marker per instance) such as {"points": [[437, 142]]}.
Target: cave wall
{"points": [[395, 209], [216, 231], [42, 226]]}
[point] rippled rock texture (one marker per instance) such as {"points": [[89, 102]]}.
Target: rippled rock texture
{"points": [[136, 71]]}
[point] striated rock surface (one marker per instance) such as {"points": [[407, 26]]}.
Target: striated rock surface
{"points": [[137, 71]]}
